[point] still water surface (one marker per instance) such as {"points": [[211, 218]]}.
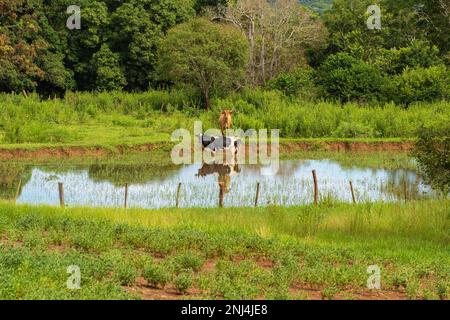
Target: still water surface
{"points": [[204, 186]]}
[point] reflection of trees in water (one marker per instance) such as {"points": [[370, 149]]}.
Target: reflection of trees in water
{"points": [[286, 168], [11, 174], [224, 176], [118, 174], [395, 184], [133, 174]]}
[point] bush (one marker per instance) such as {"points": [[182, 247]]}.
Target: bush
{"points": [[296, 83], [421, 84], [189, 261], [347, 78], [126, 274], [108, 72], [417, 54], [183, 282], [156, 275], [432, 151], [353, 130]]}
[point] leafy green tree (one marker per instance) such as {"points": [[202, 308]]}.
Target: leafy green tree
{"points": [[212, 57], [431, 19], [201, 4], [83, 44], [347, 25], [57, 78], [109, 75], [417, 54], [296, 83], [401, 22], [137, 26], [347, 78], [421, 84], [20, 45], [134, 36]]}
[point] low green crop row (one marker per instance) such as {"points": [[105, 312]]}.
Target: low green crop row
{"points": [[207, 253]]}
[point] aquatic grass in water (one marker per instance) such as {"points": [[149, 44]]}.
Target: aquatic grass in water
{"points": [[292, 185]]}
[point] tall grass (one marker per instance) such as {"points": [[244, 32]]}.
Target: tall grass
{"points": [[421, 220], [296, 118], [34, 120]]}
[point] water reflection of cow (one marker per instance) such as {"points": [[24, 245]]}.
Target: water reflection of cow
{"points": [[224, 176], [222, 162]]}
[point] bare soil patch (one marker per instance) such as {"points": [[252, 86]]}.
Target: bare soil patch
{"points": [[98, 152]]}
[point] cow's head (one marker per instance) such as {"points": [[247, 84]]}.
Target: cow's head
{"points": [[227, 113]]}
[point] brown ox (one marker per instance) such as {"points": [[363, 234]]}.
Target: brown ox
{"points": [[225, 120]]}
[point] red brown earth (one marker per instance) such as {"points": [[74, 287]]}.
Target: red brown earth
{"points": [[97, 152]]}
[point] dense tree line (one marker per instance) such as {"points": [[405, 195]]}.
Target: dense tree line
{"points": [[115, 48], [218, 45]]}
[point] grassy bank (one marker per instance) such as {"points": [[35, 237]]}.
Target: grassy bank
{"points": [[273, 253], [112, 119]]}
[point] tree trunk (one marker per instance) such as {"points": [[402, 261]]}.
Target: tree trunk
{"points": [[206, 95], [263, 59], [251, 35]]}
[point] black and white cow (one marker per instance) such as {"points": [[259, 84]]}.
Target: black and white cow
{"points": [[215, 144]]}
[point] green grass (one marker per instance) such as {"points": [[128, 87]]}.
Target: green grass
{"points": [[111, 119], [239, 253]]}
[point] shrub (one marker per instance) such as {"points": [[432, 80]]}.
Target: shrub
{"points": [[421, 84], [353, 130], [296, 83], [432, 151], [108, 72], [183, 282], [188, 261], [417, 54], [156, 275], [126, 274], [442, 290], [347, 78]]}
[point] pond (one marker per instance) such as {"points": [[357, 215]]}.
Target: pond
{"points": [[213, 185]]}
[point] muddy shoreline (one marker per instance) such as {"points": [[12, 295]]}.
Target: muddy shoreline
{"points": [[286, 147]]}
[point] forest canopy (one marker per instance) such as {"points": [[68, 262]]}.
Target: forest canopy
{"points": [[322, 47]]}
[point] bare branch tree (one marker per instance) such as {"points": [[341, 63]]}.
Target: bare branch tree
{"points": [[277, 31]]}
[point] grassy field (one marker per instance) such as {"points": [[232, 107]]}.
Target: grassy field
{"points": [[111, 119], [242, 253], [302, 252]]}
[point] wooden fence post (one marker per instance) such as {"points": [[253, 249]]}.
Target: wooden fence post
{"points": [[352, 191], [18, 191], [316, 188], [405, 189], [126, 196], [178, 195], [61, 194], [257, 194]]}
